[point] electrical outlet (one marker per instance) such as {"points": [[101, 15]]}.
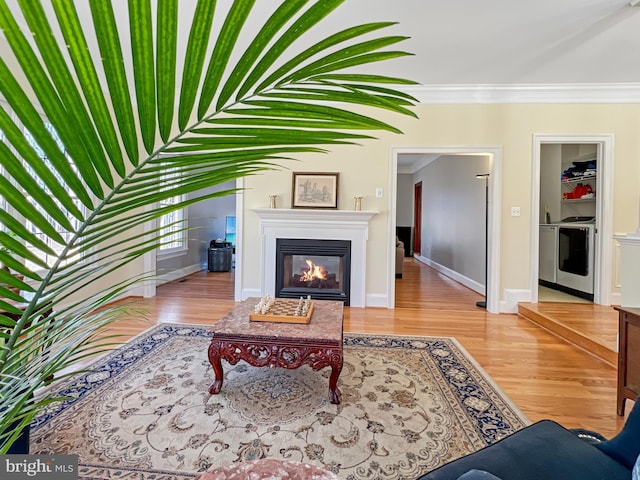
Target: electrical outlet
{"points": [[379, 192], [515, 211]]}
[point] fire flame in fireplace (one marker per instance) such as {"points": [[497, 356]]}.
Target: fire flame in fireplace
{"points": [[314, 271]]}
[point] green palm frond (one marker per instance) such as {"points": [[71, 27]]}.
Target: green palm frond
{"points": [[90, 130]]}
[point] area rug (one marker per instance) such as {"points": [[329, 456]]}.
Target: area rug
{"points": [[409, 404]]}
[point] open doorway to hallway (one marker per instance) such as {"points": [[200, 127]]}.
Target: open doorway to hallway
{"points": [[209, 223], [459, 222]]}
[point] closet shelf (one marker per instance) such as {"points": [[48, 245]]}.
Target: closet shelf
{"points": [[578, 200], [585, 178]]}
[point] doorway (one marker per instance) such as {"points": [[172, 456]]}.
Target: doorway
{"points": [[425, 155], [207, 227], [572, 198], [568, 178], [417, 218]]}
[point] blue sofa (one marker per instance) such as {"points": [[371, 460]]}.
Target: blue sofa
{"points": [[548, 451]]}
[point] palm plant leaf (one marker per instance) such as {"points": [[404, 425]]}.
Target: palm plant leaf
{"points": [[279, 18], [196, 51], [143, 69], [91, 89], [115, 133], [306, 21], [50, 101], [326, 44], [222, 50], [32, 122], [104, 23], [166, 53]]}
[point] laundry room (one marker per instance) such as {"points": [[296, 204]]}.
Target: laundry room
{"points": [[568, 206]]}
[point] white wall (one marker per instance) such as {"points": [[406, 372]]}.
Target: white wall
{"points": [[453, 214], [550, 191], [404, 205]]}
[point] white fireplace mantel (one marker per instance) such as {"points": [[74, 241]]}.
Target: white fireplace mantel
{"points": [[316, 224], [314, 216]]}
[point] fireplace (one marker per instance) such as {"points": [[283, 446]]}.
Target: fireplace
{"points": [[320, 268], [299, 223]]}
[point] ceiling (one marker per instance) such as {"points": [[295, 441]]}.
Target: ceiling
{"points": [[410, 163], [466, 42], [510, 42]]}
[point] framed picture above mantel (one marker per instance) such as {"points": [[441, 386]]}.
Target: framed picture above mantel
{"points": [[314, 190]]}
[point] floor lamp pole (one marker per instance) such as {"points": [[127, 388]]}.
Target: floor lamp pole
{"points": [[485, 176]]}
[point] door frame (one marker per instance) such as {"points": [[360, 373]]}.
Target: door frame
{"points": [[602, 287], [237, 295], [417, 218], [494, 219]]}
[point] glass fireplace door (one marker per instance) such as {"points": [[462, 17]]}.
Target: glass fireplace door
{"points": [[313, 271], [319, 268]]}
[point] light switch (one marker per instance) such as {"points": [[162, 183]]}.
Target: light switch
{"points": [[379, 192], [515, 211]]}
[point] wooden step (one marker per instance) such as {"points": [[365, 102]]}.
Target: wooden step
{"points": [[605, 350]]}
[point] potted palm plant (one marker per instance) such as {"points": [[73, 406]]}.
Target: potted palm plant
{"points": [[91, 128]]}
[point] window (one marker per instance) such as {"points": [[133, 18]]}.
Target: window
{"points": [[172, 225], [49, 259]]}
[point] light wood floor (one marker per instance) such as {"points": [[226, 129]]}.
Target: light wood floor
{"points": [[544, 375]]}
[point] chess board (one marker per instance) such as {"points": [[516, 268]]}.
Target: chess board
{"points": [[283, 311]]}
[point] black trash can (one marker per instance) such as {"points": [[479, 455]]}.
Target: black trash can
{"points": [[220, 256]]}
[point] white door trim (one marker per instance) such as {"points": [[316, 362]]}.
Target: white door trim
{"points": [[149, 262], [604, 211], [494, 220], [237, 296]]}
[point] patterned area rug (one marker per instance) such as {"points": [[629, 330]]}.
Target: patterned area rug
{"points": [[409, 404]]}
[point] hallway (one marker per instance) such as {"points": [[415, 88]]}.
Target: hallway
{"points": [[424, 288]]}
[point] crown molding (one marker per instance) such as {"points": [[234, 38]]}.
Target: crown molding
{"points": [[526, 93]]}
